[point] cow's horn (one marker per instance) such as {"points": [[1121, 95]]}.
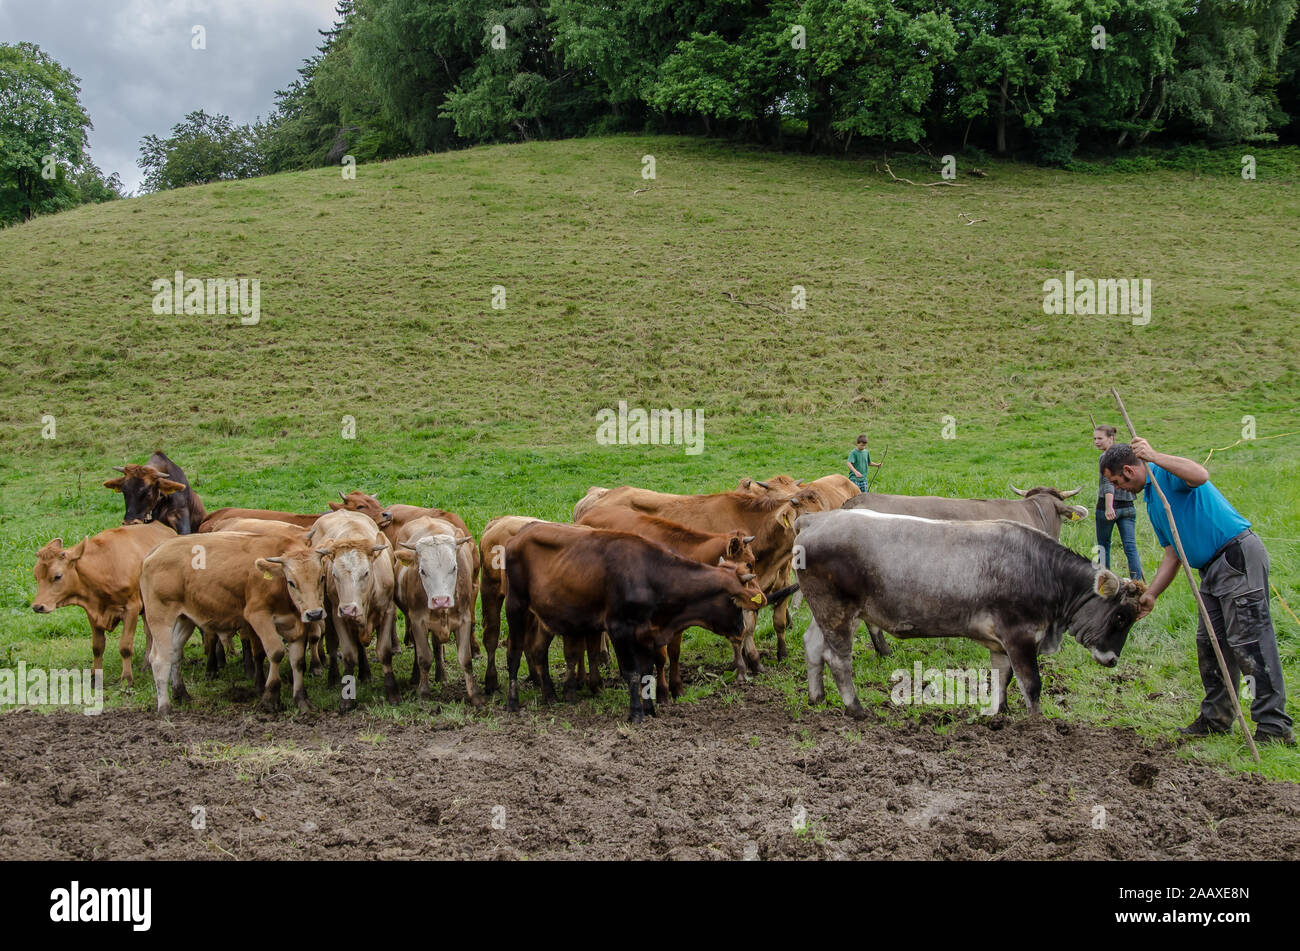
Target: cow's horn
{"points": [[343, 497], [276, 561], [798, 482], [377, 548], [763, 484], [119, 469], [408, 545], [1071, 494], [748, 576], [748, 539], [1020, 492]]}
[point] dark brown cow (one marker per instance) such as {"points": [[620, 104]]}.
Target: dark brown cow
{"points": [[101, 575], [158, 492], [581, 581], [708, 548], [767, 516]]}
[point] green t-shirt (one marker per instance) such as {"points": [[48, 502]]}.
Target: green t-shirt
{"points": [[859, 459]]}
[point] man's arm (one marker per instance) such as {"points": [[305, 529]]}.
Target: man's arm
{"points": [[1165, 575], [1193, 473]]}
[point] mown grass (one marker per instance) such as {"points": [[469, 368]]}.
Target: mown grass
{"points": [[376, 304]]}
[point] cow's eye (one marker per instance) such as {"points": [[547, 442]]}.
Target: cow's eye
{"points": [[58, 577], [292, 585]]}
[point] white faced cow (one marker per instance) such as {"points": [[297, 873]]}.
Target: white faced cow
{"points": [[1004, 585], [436, 590], [359, 585]]}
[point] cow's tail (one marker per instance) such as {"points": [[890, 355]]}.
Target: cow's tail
{"points": [[776, 597]]}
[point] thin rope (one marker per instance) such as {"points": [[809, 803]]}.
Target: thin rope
{"points": [[1284, 604], [1244, 439]]}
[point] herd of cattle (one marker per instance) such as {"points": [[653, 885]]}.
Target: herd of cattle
{"points": [[634, 569]]}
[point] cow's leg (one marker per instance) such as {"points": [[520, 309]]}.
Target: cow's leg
{"points": [[1023, 651], [385, 648], [644, 658], [517, 619], [838, 652], [298, 650], [316, 656], [627, 663], [746, 657], [363, 661], [210, 644], [1001, 665], [539, 657], [349, 647], [574, 647], [814, 652], [878, 641], [98, 640], [595, 683], [492, 599], [263, 625], [465, 652], [660, 664], [125, 643], [780, 621], [675, 667], [439, 639], [259, 661], [167, 661], [332, 648], [418, 626]]}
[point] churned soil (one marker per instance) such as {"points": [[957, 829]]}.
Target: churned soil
{"points": [[721, 778]]}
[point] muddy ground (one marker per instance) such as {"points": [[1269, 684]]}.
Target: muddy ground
{"points": [[714, 779]]}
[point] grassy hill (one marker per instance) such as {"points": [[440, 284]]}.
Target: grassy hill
{"points": [[376, 304]]}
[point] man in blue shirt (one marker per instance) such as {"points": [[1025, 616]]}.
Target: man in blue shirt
{"points": [[1233, 565]]}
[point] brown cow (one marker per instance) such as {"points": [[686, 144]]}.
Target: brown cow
{"points": [[237, 581], [581, 581], [436, 590], [708, 548], [492, 594], [101, 575], [158, 491], [352, 502]]}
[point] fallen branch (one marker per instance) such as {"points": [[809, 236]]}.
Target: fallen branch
{"points": [[962, 214], [736, 300], [921, 184]]}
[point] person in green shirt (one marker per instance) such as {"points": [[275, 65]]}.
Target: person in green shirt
{"points": [[859, 462]]}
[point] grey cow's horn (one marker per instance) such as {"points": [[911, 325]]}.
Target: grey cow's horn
{"points": [[1020, 492], [1068, 495]]}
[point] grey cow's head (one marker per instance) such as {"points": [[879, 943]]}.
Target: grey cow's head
{"points": [[1102, 623], [1054, 496]]}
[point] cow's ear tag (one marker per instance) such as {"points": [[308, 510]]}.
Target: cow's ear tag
{"points": [[268, 576], [1074, 516], [757, 599]]}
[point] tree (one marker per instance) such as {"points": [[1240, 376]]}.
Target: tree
{"points": [[43, 130], [203, 148]]}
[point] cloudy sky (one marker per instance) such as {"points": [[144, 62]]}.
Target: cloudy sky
{"points": [[139, 74]]}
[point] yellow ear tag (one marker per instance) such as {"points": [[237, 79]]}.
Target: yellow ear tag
{"points": [[786, 519], [268, 576], [757, 599]]}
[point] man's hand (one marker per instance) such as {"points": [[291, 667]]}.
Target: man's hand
{"points": [[1142, 449], [1146, 603]]}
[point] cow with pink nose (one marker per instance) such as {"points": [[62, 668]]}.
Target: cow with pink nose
{"points": [[437, 585]]}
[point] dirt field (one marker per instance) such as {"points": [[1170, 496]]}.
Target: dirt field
{"points": [[707, 780]]}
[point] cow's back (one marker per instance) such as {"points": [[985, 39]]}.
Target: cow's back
{"points": [[111, 560], [214, 521]]}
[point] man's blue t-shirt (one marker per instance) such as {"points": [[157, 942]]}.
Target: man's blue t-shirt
{"points": [[1205, 520]]}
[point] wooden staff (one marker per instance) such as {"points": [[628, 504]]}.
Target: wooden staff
{"points": [[878, 468], [1200, 603]]}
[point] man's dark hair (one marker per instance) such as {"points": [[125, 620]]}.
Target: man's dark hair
{"points": [[1117, 457]]}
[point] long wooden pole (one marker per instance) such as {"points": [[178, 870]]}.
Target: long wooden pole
{"points": [[883, 456], [1200, 603]]}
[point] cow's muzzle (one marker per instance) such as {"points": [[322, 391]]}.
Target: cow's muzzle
{"points": [[1105, 658], [42, 608], [351, 609], [439, 602], [315, 615]]}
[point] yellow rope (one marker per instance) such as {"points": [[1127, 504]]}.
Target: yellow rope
{"points": [[1243, 439], [1284, 604]]}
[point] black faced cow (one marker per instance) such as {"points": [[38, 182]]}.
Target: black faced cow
{"points": [[1008, 587], [158, 492]]}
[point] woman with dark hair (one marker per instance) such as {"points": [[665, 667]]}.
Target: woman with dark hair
{"points": [[1115, 506]]}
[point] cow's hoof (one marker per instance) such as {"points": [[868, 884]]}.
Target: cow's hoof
{"points": [[181, 696], [512, 706], [164, 711], [856, 712], [477, 700], [649, 707], [346, 705], [269, 705], [423, 692], [637, 717], [303, 705], [816, 700]]}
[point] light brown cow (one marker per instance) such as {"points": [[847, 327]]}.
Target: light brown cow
{"points": [[492, 594], [708, 548], [360, 579], [231, 582], [356, 501], [100, 575], [436, 590]]}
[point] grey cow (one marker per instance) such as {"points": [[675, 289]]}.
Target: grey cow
{"points": [[1006, 586]]}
